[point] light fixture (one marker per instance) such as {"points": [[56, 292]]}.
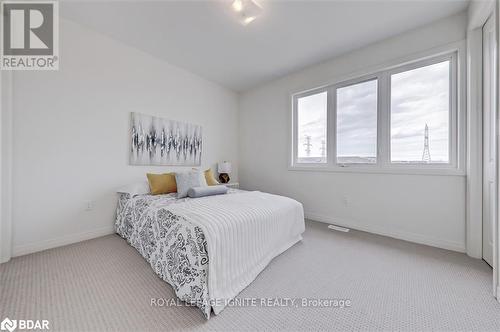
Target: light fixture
{"points": [[237, 5], [246, 10], [248, 20]]}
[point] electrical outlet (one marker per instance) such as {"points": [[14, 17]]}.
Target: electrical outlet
{"points": [[346, 200], [89, 205]]}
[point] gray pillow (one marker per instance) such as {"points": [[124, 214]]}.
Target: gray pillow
{"points": [[186, 180], [207, 191]]}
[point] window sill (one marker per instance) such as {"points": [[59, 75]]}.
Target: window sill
{"points": [[378, 170]]}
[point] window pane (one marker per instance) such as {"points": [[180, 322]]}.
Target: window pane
{"points": [[357, 123], [311, 131], [420, 111]]}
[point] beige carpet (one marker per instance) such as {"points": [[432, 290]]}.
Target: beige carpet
{"points": [[104, 284]]}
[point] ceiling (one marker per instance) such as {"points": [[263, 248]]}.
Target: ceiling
{"points": [[205, 38]]}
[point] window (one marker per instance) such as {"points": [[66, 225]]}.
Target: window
{"points": [[420, 115], [357, 123], [402, 119], [311, 133]]}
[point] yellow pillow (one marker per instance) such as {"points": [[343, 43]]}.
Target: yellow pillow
{"points": [[209, 176], [162, 183]]}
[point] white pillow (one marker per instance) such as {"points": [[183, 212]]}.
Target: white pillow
{"points": [[188, 180], [134, 189]]}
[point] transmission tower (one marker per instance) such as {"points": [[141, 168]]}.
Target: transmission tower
{"points": [[308, 145], [426, 155]]}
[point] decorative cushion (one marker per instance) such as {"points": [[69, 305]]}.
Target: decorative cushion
{"points": [[187, 180], [209, 176], [196, 192], [162, 183]]}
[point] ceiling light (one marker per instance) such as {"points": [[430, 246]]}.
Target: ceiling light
{"points": [[246, 10], [238, 5], [249, 19]]}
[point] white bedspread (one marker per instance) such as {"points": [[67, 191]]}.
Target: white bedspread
{"points": [[244, 232]]}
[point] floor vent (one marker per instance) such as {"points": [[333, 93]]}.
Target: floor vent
{"points": [[338, 228]]}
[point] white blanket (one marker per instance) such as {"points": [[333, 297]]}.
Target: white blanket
{"points": [[244, 233]]}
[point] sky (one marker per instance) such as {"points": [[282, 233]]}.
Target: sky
{"points": [[418, 97], [357, 120], [311, 118]]}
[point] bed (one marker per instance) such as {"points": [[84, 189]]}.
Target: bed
{"points": [[209, 249]]}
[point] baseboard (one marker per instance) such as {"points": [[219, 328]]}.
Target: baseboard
{"points": [[61, 241], [4, 259], [406, 236]]}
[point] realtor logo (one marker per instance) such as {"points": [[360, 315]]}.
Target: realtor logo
{"points": [[8, 325], [30, 35]]}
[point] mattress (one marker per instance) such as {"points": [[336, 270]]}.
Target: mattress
{"points": [[210, 248]]}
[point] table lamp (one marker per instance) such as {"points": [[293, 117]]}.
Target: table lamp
{"points": [[224, 170]]}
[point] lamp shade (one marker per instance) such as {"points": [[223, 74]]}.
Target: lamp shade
{"points": [[224, 167]]}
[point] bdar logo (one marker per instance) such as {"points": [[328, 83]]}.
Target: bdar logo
{"points": [[8, 325], [24, 324]]}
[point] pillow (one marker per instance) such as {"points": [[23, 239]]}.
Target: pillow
{"points": [[134, 189], [162, 183], [196, 192], [209, 176], [187, 180]]}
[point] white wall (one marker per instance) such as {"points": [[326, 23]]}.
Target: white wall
{"points": [[71, 138], [422, 208], [5, 165]]}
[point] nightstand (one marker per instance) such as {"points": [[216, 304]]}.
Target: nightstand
{"points": [[233, 185]]}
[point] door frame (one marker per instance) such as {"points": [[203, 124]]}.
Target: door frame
{"points": [[479, 12], [490, 136], [474, 192], [496, 228]]}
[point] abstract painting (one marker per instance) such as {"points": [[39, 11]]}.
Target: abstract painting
{"points": [[159, 141]]}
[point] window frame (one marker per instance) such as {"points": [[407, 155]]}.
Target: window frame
{"points": [[452, 116], [455, 166]]}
